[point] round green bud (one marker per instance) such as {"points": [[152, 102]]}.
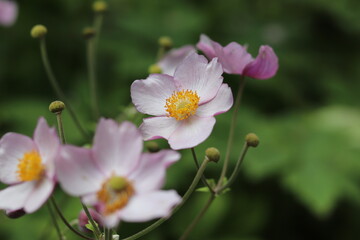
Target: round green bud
{"points": [[99, 6], [56, 107], [117, 183], [212, 154], [165, 42], [252, 140], [38, 31], [88, 32], [154, 68], [152, 146]]}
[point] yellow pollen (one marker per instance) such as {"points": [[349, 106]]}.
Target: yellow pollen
{"points": [[30, 167], [115, 198], [182, 104]]}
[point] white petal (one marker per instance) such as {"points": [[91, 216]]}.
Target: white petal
{"points": [[191, 132], [112, 220], [13, 146], [149, 95], [173, 58], [151, 205], [195, 73], [221, 103], [158, 127], [14, 197], [39, 195]]}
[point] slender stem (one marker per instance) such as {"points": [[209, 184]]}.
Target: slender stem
{"points": [[60, 128], [97, 232], [56, 87], [90, 55], [236, 169], [203, 178], [232, 131], [56, 225], [184, 199], [65, 221], [197, 218], [97, 26]]}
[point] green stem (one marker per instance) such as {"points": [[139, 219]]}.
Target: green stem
{"points": [[97, 26], [65, 221], [56, 87], [232, 131], [203, 178], [97, 232], [198, 218], [60, 128], [184, 199], [90, 53], [56, 225]]}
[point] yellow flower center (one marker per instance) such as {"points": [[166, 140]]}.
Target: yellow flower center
{"points": [[30, 167], [115, 194], [182, 104]]}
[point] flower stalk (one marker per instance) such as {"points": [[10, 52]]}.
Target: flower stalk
{"points": [[56, 225]]}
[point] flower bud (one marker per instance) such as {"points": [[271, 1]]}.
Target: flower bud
{"points": [[252, 140], [212, 154], [15, 214], [56, 107], [152, 146], [83, 219], [165, 42], [38, 31], [99, 6], [88, 32], [154, 68]]}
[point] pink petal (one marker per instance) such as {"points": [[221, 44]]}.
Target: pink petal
{"points": [[13, 146], [206, 45], [48, 144], [77, 171], [158, 127], [39, 195], [14, 197], [196, 74], [264, 66], [112, 220], [145, 207], [233, 58], [220, 104], [149, 95], [149, 175], [173, 58], [8, 13], [191, 132]]}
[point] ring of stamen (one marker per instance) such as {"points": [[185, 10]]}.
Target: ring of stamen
{"points": [[30, 167], [182, 104]]}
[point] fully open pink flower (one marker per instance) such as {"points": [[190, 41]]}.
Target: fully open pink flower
{"points": [[8, 12], [173, 58], [235, 59], [115, 177], [27, 165], [184, 105]]}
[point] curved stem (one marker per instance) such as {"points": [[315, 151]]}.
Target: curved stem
{"points": [[184, 199], [232, 131], [203, 178], [97, 232], [60, 128], [198, 218], [90, 56], [56, 87], [53, 218]]}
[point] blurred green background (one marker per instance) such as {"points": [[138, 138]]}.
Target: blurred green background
{"points": [[303, 180]]}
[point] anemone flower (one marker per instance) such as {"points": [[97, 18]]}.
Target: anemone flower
{"points": [[8, 12], [184, 105], [173, 58], [27, 165], [115, 177], [235, 59]]}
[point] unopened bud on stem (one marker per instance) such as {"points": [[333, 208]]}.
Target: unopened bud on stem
{"points": [[38, 31], [152, 146], [154, 68], [212, 154], [252, 140], [99, 6], [56, 107], [165, 42], [88, 32]]}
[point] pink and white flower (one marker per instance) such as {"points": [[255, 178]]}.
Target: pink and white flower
{"points": [[27, 165], [173, 58], [115, 177], [184, 105], [8, 12], [235, 59]]}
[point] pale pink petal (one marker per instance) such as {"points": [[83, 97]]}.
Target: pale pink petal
{"points": [[191, 132], [112, 220], [8, 12], [149, 175], [90, 199], [14, 197], [39, 195], [48, 144], [13, 146], [220, 104], [206, 45], [264, 66], [195, 73], [77, 171], [173, 58], [158, 127], [145, 207], [233, 58], [149, 95]]}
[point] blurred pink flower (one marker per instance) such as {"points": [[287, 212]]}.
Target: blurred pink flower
{"points": [[173, 58], [184, 106], [235, 59], [8, 12], [27, 165], [116, 178], [84, 220]]}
